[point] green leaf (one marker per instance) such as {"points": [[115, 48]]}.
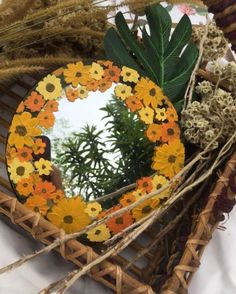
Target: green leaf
{"points": [[116, 50], [179, 39], [132, 43], [184, 68], [169, 7], [166, 60]]}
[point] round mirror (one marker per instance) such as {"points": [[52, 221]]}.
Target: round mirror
{"points": [[58, 147]]}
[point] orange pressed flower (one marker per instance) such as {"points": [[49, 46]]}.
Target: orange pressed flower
{"points": [[72, 94], [37, 204], [92, 85], [112, 73], [58, 71], [171, 114], [52, 105], [46, 119], [145, 184], [45, 189], [120, 222], [170, 131], [20, 108], [106, 63], [109, 211], [24, 154], [153, 132], [39, 147], [35, 101], [25, 187], [104, 84], [133, 103], [76, 73], [127, 199], [57, 195]]}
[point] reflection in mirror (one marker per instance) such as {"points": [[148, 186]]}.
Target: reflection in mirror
{"points": [[98, 145]]}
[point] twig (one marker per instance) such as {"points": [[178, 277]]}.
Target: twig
{"points": [[189, 92], [168, 228], [160, 210], [114, 194]]}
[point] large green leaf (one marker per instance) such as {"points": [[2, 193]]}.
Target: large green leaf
{"points": [[167, 59], [116, 50], [132, 43]]}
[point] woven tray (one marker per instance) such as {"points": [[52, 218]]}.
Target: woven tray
{"points": [[111, 274]]}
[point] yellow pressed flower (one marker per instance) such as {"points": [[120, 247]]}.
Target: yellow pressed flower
{"points": [[50, 87], [76, 73], [147, 91], [19, 170], [147, 115], [129, 74], [158, 182], [123, 91], [93, 209], [99, 234], [138, 193], [144, 208], [96, 71], [43, 166], [161, 114], [23, 129], [69, 214], [168, 159], [82, 92]]}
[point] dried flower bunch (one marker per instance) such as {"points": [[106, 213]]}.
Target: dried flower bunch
{"points": [[213, 117], [215, 45], [40, 34], [225, 72]]}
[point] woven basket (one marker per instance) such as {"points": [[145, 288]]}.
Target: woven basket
{"points": [[110, 272]]}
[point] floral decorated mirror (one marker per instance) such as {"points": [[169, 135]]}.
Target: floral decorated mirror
{"points": [[32, 172]]}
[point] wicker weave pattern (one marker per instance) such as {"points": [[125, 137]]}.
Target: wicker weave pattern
{"points": [[225, 16], [200, 237], [109, 274]]}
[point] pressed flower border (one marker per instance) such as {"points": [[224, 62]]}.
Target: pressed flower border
{"points": [[35, 114]]}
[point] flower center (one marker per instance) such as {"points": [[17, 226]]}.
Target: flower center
{"points": [[68, 219], [152, 92], [36, 209], [24, 154], [81, 91], [44, 191], [146, 209], [172, 159], [25, 185], [112, 73], [36, 101], [119, 221], [20, 171], [21, 130], [50, 87], [78, 74], [170, 132], [128, 74], [93, 209], [98, 232]]}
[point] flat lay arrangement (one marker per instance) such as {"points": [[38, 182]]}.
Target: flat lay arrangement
{"points": [[133, 200]]}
